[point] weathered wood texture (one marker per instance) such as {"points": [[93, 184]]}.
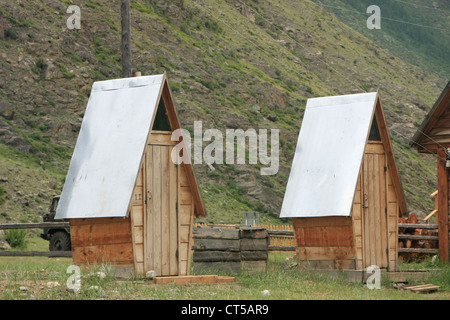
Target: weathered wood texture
{"points": [[325, 242], [369, 236], [443, 205], [434, 131], [136, 214], [34, 225], [162, 219], [52, 254], [126, 38], [415, 240], [230, 250], [101, 240]]}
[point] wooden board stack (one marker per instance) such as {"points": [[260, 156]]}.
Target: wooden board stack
{"points": [[230, 250]]}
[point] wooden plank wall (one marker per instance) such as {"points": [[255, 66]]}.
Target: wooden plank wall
{"points": [[137, 222], [101, 240], [325, 242], [357, 213], [185, 220], [393, 213]]}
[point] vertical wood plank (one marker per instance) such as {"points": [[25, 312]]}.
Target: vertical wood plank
{"points": [[383, 212], [442, 218], [156, 196], [378, 212], [365, 216], [173, 215], [148, 218], [165, 216], [371, 195]]}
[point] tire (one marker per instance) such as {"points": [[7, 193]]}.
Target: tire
{"points": [[59, 241]]}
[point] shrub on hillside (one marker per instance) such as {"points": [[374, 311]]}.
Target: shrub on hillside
{"points": [[16, 238]]}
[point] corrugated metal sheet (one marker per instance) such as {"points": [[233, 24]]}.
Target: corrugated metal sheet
{"points": [[109, 149], [328, 156]]}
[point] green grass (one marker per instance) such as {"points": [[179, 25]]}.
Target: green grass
{"points": [[283, 282]]}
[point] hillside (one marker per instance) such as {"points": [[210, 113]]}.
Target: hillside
{"points": [[417, 31], [231, 64]]}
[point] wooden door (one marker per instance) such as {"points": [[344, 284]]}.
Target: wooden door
{"points": [[374, 191], [161, 219]]}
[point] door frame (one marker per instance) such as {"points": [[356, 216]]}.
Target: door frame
{"points": [[165, 259], [374, 216]]}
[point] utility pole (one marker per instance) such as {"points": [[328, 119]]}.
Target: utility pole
{"points": [[126, 38]]}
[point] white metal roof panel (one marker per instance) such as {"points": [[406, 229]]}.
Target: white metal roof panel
{"points": [[109, 149], [328, 156]]}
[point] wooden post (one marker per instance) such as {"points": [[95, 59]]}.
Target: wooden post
{"points": [[442, 217], [126, 38]]}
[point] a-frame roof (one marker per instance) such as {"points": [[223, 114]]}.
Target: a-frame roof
{"points": [[435, 129], [329, 153], [110, 147]]}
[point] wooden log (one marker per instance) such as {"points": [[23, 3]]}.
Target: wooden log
{"points": [[249, 244], [202, 279], [417, 237], [36, 254], [213, 256], [417, 250], [126, 38], [417, 226], [254, 233], [254, 255], [408, 243], [215, 233], [216, 244], [34, 225]]}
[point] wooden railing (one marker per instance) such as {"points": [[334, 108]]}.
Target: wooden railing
{"points": [[40, 225], [412, 237]]}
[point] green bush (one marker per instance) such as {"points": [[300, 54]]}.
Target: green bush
{"points": [[16, 238]]}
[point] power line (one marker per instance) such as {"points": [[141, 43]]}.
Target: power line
{"points": [[420, 6], [382, 17]]}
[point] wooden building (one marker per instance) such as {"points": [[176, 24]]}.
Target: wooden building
{"points": [[130, 206], [344, 193], [433, 136]]}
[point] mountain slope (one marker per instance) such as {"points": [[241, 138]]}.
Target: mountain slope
{"points": [[231, 64], [416, 31]]}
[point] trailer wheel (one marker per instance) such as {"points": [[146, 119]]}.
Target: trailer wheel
{"points": [[59, 241]]}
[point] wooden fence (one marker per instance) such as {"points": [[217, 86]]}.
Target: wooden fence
{"points": [[412, 243], [281, 236], [35, 253]]}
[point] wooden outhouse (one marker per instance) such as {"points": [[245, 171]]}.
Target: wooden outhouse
{"points": [[433, 136], [129, 204], [344, 193]]}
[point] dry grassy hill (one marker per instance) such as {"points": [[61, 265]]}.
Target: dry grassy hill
{"points": [[231, 64]]}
